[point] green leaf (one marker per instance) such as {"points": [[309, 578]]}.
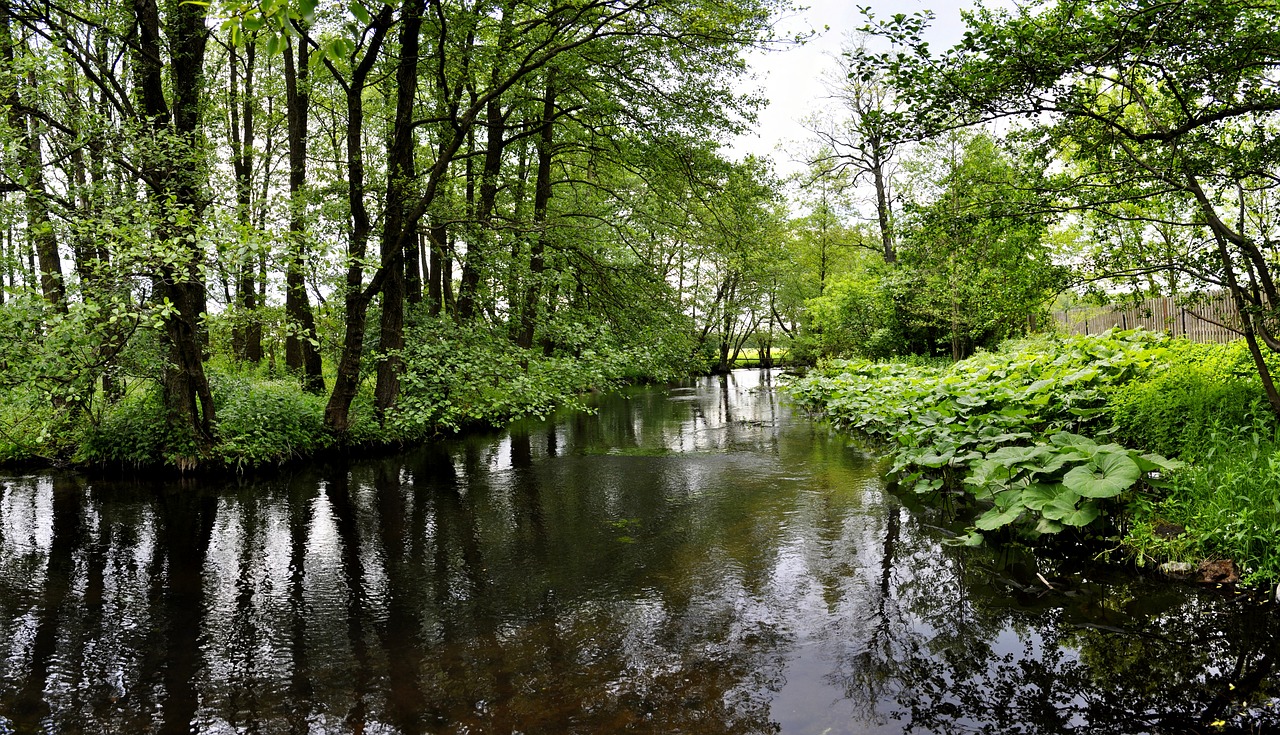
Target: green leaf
{"points": [[1067, 439], [1157, 463], [361, 14], [1010, 456], [1084, 515], [1046, 526], [996, 518], [1038, 496], [1107, 475], [1063, 505]]}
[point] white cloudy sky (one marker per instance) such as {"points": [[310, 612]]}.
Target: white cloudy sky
{"points": [[792, 79]]}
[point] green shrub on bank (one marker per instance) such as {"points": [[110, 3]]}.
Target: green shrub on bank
{"points": [[458, 376], [1009, 428], [1225, 505], [1179, 410], [267, 422], [133, 433], [31, 429], [260, 422]]}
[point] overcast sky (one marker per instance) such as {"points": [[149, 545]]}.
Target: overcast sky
{"points": [[792, 79]]}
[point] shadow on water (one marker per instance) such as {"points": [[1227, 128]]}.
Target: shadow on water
{"points": [[693, 559]]}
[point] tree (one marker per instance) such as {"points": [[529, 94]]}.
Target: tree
{"points": [[866, 136], [976, 267], [1146, 101]]}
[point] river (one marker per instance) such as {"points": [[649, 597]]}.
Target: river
{"points": [[693, 559]]}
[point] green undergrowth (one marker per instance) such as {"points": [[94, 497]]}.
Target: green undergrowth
{"points": [[1022, 432], [454, 378], [1071, 435], [1208, 408]]}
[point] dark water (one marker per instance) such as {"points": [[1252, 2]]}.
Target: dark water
{"points": [[695, 560]]}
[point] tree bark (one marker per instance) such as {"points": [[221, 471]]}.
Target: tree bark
{"points": [[541, 198], [246, 335], [474, 266], [300, 352], [356, 296], [400, 170], [174, 182], [39, 225]]}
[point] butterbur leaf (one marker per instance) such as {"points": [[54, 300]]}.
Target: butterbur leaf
{"points": [[1105, 476], [1047, 526], [1038, 495], [1010, 456], [1063, 505], [1067, 439], [988, 472], [1084, 515], [997, 518], [1156, 463]]}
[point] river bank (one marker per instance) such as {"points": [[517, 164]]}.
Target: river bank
{"points": [[460, 381], [1127, 441]]}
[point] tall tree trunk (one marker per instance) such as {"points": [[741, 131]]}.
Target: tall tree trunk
{"points": [[400, 170], [300, 352], [246, 335], [27, 131], [474, 266], [173, 171], [413, 262], [356, 297], [541, 198], [883, 213], [437, 234]]}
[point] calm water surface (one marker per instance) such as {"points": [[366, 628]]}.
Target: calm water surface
{"points": [[688, 560]]}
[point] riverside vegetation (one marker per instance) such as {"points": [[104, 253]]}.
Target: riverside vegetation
{"points": [[236, 234], [1129, 439]]}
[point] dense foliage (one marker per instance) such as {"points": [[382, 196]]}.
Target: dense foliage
{"points": [[423, 215], [1051, 434], [1011, 428]]}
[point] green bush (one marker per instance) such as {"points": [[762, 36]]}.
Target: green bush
{"points": [[259, 422], [1178, 410], [1004, 428], [854, 316], [1228, 502], [134, 432], [266, 422], [31, 429]]}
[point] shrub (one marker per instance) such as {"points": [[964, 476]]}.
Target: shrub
{"points": [[1177, 410], [134, 432], [1004, 428], [265, 422], [1228, 502]]}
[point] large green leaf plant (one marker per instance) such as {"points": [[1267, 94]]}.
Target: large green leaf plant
{"points": [[1010, 429]]}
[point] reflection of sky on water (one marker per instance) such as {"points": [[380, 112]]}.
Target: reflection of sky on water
{"points": [[692, 560]]}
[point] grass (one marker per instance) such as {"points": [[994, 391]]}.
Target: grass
{"points": [[1228, 502]]}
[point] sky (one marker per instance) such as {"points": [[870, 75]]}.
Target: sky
{"points": [[792, 79]]}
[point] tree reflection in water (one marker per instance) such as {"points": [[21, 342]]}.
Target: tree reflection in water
{"points": [[693, 560]]}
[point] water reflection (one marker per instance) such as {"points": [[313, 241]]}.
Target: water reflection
{"points": [[685, 560]]}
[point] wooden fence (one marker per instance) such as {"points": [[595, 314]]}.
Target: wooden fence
{"points": [[1201, 322]]}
